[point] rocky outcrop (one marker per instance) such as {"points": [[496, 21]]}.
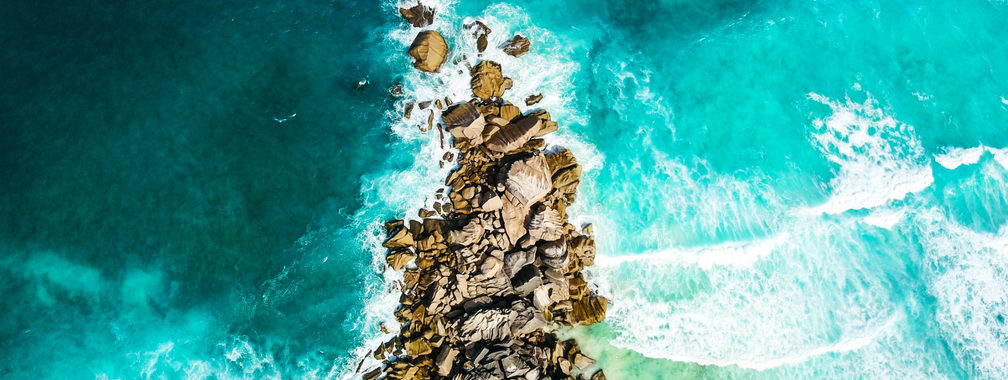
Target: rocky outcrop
{"points": [[480, 31], [487, 81], [465, 122], [418, 15], [429, 51], [517, 46], [533, 99], [495, 268]]}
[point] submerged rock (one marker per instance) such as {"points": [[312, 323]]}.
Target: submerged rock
{"points": [[429, 50]]}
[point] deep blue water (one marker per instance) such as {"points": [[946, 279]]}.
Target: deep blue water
{"points": [[780, 189]]}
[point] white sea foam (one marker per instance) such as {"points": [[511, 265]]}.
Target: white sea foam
{"points": [[239, 360], [953, 157], [739, 254], [1000, 155], [880, 159], [850, 342], [969, 279], [884, 218], [757, 305]]}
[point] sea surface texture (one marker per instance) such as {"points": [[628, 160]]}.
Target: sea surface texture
{"points": [[780, 189]]}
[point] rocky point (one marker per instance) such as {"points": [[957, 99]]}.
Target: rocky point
{"points": [[493, 271]]}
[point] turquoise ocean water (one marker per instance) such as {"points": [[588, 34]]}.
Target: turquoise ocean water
{"points": [[780, 189]]}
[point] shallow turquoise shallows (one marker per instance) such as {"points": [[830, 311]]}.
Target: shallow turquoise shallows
{"points": [[780, 189]]}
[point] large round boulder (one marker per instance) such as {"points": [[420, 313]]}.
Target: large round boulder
{"points": [[429, 51]]}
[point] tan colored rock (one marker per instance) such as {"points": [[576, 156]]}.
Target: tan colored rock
{"points": [[567, 179], [491, 266], [583, 362], [542, 114], [429, 50], [486, 324], [496, 121], [598, 376], [578, 286], [426, 243], [487, 80], [510, 112], [418, 15], [480, 31], [398, 258], [514, 261], [559, 160], [435, 227], [545, 223], [533, 99], [408, 110], [393, 226], [501, 259], [514, 135], [528, 180], [464, 121], [533, 374], [584, 248], [564, 365], [589, 310], [525, 318], [553, 253], [527, 280], [541, 296], [517, 46], [399, 239], [470, 233], [469, 192], [548, 127], [430, 121], [490, 201], [418, 347], [445, 360], [481, 43], [410, 278], [489, 109], [506, 85]]}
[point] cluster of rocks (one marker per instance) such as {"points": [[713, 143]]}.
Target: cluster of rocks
{"points": [[430, 50], [495, 267]]}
